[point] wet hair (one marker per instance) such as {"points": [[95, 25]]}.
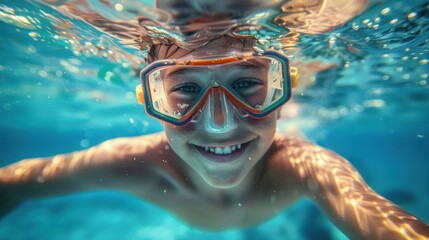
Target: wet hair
{"points": [[153, 52]]}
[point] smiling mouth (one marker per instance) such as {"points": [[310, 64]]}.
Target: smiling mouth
{"points": [[222, 154]]}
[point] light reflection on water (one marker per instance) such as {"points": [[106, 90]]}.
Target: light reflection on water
{"points": [[387, 46]]}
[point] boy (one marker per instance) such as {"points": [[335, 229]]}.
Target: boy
{"points": [[220, 163]]}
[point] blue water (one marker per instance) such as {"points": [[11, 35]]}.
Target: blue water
{"points": [[372, 108]]}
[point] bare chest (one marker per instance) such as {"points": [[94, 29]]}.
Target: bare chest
{"points": [[222, 212]]}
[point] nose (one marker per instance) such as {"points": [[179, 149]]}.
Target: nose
{"points": [[218, 113]]}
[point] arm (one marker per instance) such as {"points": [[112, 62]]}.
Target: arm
{"points": [[106, 166], [351, 204]]}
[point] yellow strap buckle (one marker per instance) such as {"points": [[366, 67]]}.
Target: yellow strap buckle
{"points": [[139, 94], [294, 76]]}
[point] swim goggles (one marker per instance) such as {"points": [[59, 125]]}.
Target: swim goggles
{"points": [[252, 84]]}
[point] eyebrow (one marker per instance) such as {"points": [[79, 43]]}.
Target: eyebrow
{"points": [[182, 71], [250, 65]]}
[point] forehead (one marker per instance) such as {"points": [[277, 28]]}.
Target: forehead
{"points": [[255, 66], [221, 46]]}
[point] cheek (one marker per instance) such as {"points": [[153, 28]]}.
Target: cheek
{"points": [[265, 127], [178, 137], [174, 134]]}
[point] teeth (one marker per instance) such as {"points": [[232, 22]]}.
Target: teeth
{"points": [[227, 150], [222, 150], [218, 150]]}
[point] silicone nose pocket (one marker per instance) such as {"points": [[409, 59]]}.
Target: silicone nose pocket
{"points": [[218, 114]]}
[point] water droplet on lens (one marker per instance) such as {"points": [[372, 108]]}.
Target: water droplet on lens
{"points": [[182, 105]]}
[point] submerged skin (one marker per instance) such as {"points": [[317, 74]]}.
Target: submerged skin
{"points": [[166, 169]]}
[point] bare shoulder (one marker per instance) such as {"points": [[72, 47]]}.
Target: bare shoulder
{"points": [[337, 187], [296, 150], [321, 171], [136, 147], [292, 164], [310, 162], [142, 156], [131, 164], [113, 158]]}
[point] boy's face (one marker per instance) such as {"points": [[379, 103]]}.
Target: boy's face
{"points": [[222, 158]]}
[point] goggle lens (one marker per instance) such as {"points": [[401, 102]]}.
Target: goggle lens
{"points": [[257, 84]]}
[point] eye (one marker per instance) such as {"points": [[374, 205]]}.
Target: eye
{"points": [[187, 88], [246, 83]]}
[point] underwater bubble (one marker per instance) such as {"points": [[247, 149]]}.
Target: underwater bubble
{"points": [[385, 11], [119, 7], [312, 185], [374, 103], [182, 105], [34, 35], [411, 15], [108, 76], [84, 143], [393, 21], [145, 123], [40, 179], [31, 49], [43, 73], [377, 91], [177, 113]]}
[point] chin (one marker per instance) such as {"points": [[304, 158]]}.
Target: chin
{"points": [[223, 182]]}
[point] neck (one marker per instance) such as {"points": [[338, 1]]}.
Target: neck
{"points": [[227, 195]]}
